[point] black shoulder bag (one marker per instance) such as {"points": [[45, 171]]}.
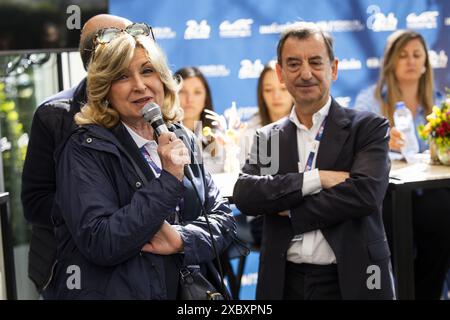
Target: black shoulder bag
{"points": [[193, 285]]}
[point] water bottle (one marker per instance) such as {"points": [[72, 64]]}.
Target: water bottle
{"points": [[404, 123]]}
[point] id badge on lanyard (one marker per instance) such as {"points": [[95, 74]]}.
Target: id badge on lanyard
{"points": [[312, 154], [309, 162]]}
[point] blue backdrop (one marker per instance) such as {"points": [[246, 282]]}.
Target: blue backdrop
{"points": [[231, 40]]}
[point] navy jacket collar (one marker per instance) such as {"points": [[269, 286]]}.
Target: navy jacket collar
{"points": [[127, 142]]}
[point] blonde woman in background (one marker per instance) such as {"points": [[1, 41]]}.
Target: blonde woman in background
{"points": [[406, 75]]}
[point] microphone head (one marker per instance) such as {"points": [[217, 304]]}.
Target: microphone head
{"points": [[151, 112]]}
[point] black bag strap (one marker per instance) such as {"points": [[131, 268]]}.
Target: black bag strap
{"points": [[141, 175], [136, 168], [182, 134]]}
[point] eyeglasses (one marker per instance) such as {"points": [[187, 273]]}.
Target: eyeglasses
{"points": [[106, 35]]}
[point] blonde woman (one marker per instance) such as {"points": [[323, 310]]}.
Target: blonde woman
{"points": [[406, 75], [125, 216]]}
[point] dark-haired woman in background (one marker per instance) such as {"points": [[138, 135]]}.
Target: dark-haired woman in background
{"points": [[195, 98], [274, 103]]}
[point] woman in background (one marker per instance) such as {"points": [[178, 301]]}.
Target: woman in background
{"points": [[195, 98], [406, 75], [274, 103]]}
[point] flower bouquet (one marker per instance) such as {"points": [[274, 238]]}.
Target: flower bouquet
{"points": [[437, 131], [227, 130]]}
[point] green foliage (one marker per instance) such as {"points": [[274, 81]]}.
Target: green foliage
{"points": [[13, 159]]}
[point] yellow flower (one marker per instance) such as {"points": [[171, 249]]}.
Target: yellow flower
{"points": [[434, 122], [427, 129], [445, 116], [437, 111], [233, 135], [207, 131]]}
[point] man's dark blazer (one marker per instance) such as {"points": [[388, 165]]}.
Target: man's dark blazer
{"points": [[349, 214], [52, 123]]}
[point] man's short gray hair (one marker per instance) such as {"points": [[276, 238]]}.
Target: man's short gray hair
{"points": [[304, 30]]}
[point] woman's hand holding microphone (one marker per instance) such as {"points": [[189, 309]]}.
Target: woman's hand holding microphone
{"points": [[173, 153]]}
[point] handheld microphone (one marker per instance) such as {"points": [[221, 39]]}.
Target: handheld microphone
{"points": [[152, 114]]}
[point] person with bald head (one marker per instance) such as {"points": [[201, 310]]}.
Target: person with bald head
{"points": [[52, 122], [91, 28]]}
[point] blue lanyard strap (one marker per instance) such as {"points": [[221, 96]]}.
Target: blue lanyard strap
{"points": [[312, 153], [150, 161], [173, 217]]}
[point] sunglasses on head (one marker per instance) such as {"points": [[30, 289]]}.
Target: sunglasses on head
{"points": [[106, 35]]}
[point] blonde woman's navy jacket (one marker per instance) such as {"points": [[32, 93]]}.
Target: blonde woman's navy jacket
{"points": [[104, 214]]}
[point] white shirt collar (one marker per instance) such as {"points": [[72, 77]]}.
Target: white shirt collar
{"points": [[140, 141], [317, 117]]}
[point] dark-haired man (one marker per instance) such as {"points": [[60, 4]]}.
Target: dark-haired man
{"points": [[323, 235]]}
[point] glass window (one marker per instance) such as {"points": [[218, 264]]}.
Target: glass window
{"points": [[25, 81]]}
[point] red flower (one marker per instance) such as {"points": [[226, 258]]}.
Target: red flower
{"points": [[440, 131], [446, 126]]}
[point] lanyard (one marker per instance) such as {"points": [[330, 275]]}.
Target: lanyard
{"points": [[174, 217], [150, 161], [312, 153]]}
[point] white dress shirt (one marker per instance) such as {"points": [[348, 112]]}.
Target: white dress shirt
{"points": [[150, 145], [310, 247]]}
